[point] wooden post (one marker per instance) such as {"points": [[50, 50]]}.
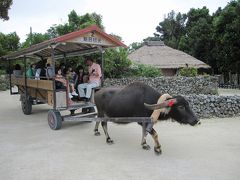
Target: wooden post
{"points": [[25, 75], [10, 78], [65, 59], [53, 81]]}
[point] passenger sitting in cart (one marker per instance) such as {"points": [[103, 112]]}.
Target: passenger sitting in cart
{"points": [[49, 71], [40, 70], [31, 71], [94, 81], [80, 76], [17, 70], [59, 77], [70, 76]]}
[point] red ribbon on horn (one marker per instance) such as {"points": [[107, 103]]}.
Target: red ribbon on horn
{"points": [[171, 103]]}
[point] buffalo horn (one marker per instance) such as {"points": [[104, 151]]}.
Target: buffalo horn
{"points": [[164, 104], [156, 106]]}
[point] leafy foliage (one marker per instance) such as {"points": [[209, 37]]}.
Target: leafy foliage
{"points": [[198, 34], [134, 46], [75, 22], [172, 28], [35, 38], [117, 65], [4, 7], [8, 43], [116, 62], [226, 34], [188, 72], [212, 39], [4, 81], [142, 70]]}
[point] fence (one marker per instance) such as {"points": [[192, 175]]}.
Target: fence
{"points": [[229, 81]]}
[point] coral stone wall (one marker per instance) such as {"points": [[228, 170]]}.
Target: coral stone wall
{"points": [[173, 85]]}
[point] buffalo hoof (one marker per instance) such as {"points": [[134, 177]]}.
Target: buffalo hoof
{"points": [[157, 150], [110, 141], [146, 146], [97, 133]]}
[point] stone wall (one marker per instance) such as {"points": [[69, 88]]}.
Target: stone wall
{"points": [[173, 85], [201, 92], [4, 83], [206, 106]]}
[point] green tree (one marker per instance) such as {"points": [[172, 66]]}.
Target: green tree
{"points": [[35, 38], [214, 39], [226, 38], [116, 62], [3, 44], [134, 46], [8, 43], [4, 7], [76, 22], [172, 28], [198, 36]]}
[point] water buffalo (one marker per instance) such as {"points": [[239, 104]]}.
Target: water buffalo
{"points": [[140, 100]]}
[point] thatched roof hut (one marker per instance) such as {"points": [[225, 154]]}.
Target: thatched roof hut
{"points": [[169, 60]]}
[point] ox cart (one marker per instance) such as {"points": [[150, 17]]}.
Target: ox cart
{"points": [[43, 91]]}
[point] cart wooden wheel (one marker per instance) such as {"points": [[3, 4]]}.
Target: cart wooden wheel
{"points": [[54, 119], [26, 105]]}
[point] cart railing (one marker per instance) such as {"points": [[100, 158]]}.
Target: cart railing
{"points": [[34, 83]]}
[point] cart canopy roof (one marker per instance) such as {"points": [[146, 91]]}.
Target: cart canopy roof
{"points": [[84, 41]]}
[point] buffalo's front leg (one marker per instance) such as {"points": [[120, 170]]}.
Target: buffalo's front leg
{"points": [[157, 147], [96, 132], [108, 139], [144, 135]]}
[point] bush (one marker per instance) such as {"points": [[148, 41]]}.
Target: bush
{"points": [[188, 72], [2, 72], [116, 63], [3, 87], [142, 70], [4, 83]]}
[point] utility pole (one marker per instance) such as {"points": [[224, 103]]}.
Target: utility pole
{"points": [[30, 36]]}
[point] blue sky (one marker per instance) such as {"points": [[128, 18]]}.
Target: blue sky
{"points": [[133, 20]]}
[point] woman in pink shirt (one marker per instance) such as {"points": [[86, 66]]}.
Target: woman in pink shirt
{"points": [[95, 74]]}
